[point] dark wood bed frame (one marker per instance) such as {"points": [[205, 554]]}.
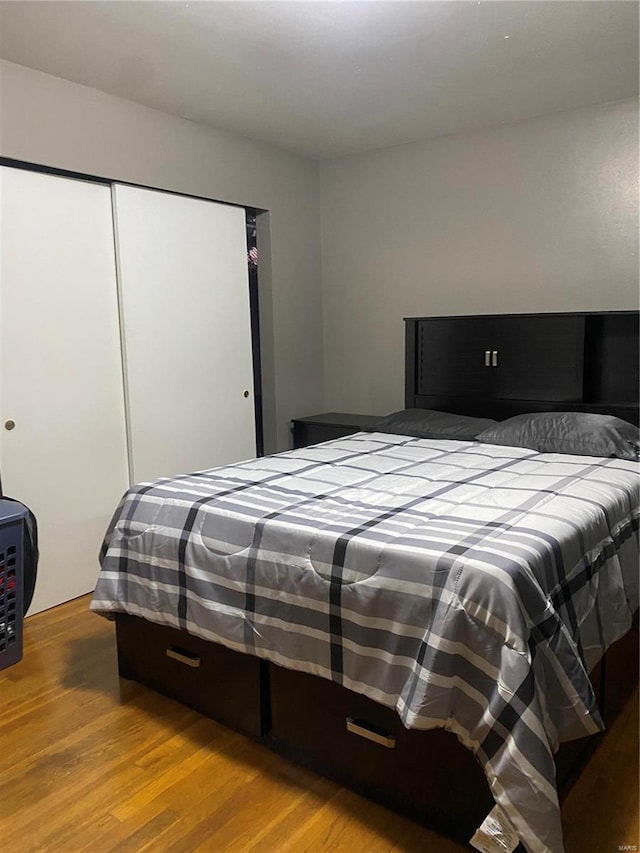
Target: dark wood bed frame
{"points": [[496, 366]]}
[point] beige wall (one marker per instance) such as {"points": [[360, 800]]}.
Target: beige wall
{"points": [[541, 215], [51, 121]]}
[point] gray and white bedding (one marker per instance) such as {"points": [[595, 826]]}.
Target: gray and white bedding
{"points": [[468, 586]]}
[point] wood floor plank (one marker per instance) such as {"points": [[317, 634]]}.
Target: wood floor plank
{"points": [[605, 798], [93, 763]]}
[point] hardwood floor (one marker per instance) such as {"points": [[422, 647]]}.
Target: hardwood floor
{"points": [[91, 763]]}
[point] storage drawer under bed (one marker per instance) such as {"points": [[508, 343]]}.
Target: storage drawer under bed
{"points": [[216, 681], [428, 775]]}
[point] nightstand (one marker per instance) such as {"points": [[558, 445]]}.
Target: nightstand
{"points": [[324, 427]]}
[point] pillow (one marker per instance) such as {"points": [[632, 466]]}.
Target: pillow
{"points": [[579, 433], [426, 423]]}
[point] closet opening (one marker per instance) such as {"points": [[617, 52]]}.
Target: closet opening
{"points": [[252, 265]]}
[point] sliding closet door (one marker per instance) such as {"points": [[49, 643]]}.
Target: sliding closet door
{"points": [[62, 427], [184, 294]]}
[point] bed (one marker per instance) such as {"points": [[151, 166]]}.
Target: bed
{"points": [[387, 606]]}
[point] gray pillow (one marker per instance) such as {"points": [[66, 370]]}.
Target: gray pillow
{"points": [[579, 433], [426, 423]]}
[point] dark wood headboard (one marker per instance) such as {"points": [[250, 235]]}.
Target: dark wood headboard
{"points": [[499, 365]]}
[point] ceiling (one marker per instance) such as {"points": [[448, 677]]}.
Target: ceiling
{"points": [[326, 79]]}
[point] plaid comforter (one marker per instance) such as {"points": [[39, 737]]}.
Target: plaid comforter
{"points": [[468, 586]]}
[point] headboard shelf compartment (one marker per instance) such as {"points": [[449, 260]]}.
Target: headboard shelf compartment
{"points": [[499, 365], [611, 358]]}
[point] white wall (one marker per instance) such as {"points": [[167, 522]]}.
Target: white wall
{"points": [[50, 121], [541, 215]]}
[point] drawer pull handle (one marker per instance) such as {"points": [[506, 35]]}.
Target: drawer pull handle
{"points": [[357, 727], [183, 657]]}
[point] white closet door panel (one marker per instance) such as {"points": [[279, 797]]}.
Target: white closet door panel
{"points": [[61, 372], [184, 290]]}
